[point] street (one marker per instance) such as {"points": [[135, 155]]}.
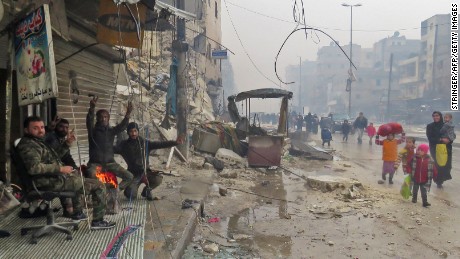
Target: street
{"points": [[301, 222]]}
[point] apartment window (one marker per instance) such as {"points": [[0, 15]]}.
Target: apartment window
{"points": [[216, 11]]}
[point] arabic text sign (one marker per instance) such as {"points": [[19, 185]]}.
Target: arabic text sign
{"points": [[34, 58]]}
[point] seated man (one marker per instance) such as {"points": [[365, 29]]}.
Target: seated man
{"points": [[39, 158], [59, 129], [132, 150], [101, 137]]}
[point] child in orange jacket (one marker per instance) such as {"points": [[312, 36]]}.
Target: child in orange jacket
{"points": [[389, 154]]}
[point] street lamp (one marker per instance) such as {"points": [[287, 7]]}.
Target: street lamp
{"points": [[351, 54]]}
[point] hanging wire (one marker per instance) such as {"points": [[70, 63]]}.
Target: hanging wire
{"points": [[300, 29], [244, 48]]}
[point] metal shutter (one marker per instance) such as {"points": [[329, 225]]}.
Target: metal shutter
{"points": [[95, 75]]}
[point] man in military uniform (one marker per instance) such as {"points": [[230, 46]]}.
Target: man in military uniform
{"points": [[56, 135], [39, 158], [133, 151]]}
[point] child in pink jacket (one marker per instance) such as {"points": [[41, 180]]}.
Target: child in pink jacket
{"points": [[371, 132]]}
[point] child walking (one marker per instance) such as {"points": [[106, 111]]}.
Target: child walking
{"points": [[371, 132], [390, 154], [326, 136], [422, 173], [346, 128], [406, 155]]}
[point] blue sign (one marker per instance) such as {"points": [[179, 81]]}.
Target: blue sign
{"points": [[219, 54]]}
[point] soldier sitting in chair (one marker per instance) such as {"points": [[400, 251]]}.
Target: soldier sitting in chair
{"points": [[39, 158]]}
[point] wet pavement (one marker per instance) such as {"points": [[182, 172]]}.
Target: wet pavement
{"points": [[300, 222]]}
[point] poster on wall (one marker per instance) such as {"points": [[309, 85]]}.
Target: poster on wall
{"points": [[34, 58]]}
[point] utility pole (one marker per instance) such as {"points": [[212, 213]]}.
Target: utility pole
{"points": [[389, 87], [300, 85], [180, 48]]}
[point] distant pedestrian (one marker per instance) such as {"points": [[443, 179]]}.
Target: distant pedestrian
{"points": [[299, 122], [360, 124], [371, 131], [346, 128], [423, 168], [315, 124], [389, 154], [326, 136], [309, 122]]}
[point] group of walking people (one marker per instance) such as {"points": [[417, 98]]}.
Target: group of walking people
{"points": [[424, 163]]}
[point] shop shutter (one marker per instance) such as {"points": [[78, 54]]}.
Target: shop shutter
{"points": [[94, 75]]}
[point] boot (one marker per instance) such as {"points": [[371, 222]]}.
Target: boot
{"points": [[147, 193], [424, 196], [414, 193], [391, 179]]}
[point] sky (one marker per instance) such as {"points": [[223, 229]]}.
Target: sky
{"points": [[262, 36]]}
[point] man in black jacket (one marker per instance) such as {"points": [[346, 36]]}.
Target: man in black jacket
{"points": [[360, 124], [101, 137], [133, 152]]}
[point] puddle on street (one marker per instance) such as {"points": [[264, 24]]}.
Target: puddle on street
{"points": [[282, 186]]}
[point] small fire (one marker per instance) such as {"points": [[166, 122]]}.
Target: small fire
{"points": [[106, 177]]}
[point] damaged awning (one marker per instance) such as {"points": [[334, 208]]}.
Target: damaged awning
{"points": [[262, 93]]}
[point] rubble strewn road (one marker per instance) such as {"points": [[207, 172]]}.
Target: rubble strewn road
{"points": [[358, 218]]}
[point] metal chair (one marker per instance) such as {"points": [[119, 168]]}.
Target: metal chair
{"points": [[33, 193]]}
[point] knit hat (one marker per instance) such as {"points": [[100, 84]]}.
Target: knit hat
{"points": [[131, 126], [424, 148]]}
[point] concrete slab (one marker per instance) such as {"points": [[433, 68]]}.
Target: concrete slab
{"points": [[328, 183]]}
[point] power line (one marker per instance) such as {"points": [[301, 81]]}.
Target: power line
{"points": [[242, 45], [329, 28]]}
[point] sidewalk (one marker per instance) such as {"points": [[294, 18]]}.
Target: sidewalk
{"points": [[169, 228]]}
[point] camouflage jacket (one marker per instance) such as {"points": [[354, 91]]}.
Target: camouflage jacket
{"points": [[39, 158]]}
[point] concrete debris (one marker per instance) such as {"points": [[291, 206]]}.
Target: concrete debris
{"points": [[327, 183], [208, 166], [228, 156], [205, 141], [241, 236], [228, 174], [211, 248], [223, 191], [309, 150]]}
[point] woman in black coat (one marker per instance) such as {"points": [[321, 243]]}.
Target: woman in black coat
{"points": [[434, 137]]}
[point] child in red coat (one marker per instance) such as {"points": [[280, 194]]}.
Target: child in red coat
{"points": [[371, 132], [422, 173]]}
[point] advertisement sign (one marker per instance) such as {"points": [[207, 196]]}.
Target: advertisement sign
{"points": [[34, 58], [117, 27]]}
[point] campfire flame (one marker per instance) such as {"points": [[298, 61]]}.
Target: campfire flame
{"points": [[106, 177]]}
